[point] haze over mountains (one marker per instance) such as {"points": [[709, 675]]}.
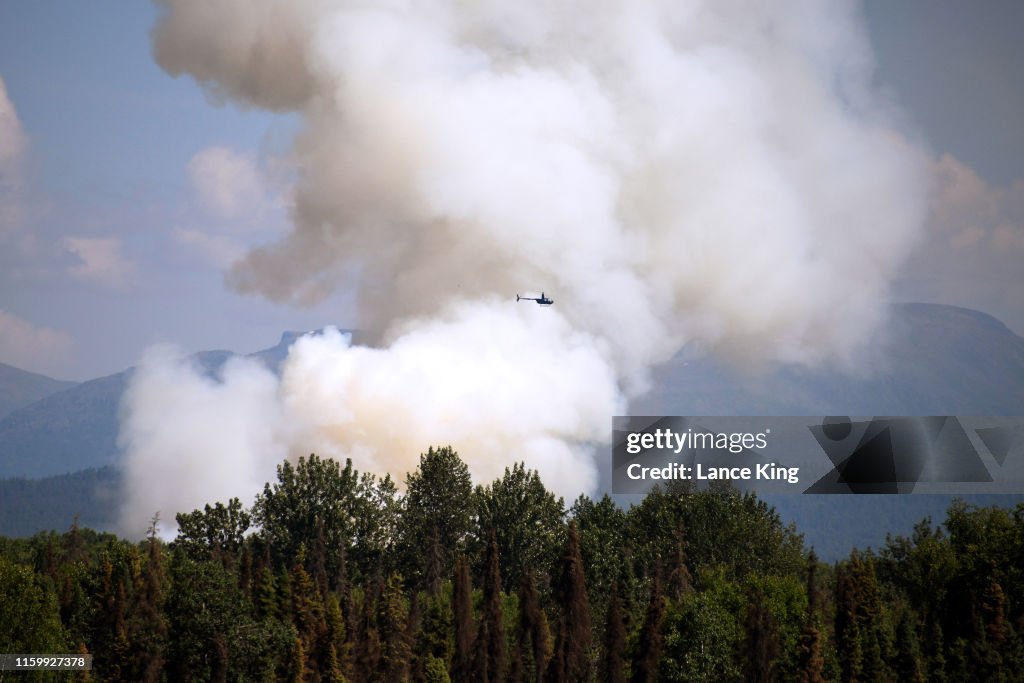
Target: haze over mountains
{"points": [[19, 388], [934, 360]]}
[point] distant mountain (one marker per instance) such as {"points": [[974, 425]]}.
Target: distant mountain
{"points": [[932, 360], [77, 428], [28, 506], [835, 524], [19, 388], [71, 430]]}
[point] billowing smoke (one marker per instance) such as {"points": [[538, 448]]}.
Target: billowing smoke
{"points": [[668, 172]]}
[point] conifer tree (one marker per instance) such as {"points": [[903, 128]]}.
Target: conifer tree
{"points": [[870, 617], [343, 587], [435, 562], [109, 638], [307, 612], [570, 662], [332, 671], [908, 652], [265, 598], [435, 671], [462, 614], [648, 654], [491, 638], [393, 620], [221, 657], [369, 642], [530, 657], [318, 561], [613, 669], [147, 625], [82, 676], [74, 545], [245, 572], [991, 632], [811, 663], [680, 582], [336, 634], [433, 637], [936, 660], [847, 628], [297, 662], [761, 644]]}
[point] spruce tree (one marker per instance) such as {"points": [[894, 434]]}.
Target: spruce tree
{"points": [[147, 625], [870, 618], [761, 643], [318, 561], [433, 638], [82, 676], [435, 562], [343, 587], [245, 572], [337, 636], [908, 652], [847, 629], [296, 672], [936, 660], [570, 662], [368, 645], [648, 654], [462, 615], [393, 621], [491, 638], [332, 671], [434, 671], [74, 545], [265, 598], [811, 663], [532, 652], [308, 613], [613, 660], [679, 581]]}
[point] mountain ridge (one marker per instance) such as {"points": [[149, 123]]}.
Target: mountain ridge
{"points": [[942, 360], [20, 388]]}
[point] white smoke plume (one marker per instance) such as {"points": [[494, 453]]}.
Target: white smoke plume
{"points": [[711, 171]]}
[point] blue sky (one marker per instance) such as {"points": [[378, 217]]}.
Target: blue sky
{"points": [[110, 136], [956, 67], [112, 244]]}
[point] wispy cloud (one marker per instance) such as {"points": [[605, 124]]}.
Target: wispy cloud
{"points": [[237, 201], [975, 244], [100, 260], [31, 347], [228, 184], [217, 249]]}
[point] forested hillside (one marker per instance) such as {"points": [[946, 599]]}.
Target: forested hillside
{"points": [[334, 575], [19, 388], [28, 505]]}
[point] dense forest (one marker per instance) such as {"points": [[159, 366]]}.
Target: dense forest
{"points": [[333, 575]]}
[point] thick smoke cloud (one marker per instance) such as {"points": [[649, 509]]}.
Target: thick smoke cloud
{"points": [[669, 172]]}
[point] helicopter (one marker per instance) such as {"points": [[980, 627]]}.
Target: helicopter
{"points": [[542, 300]]}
